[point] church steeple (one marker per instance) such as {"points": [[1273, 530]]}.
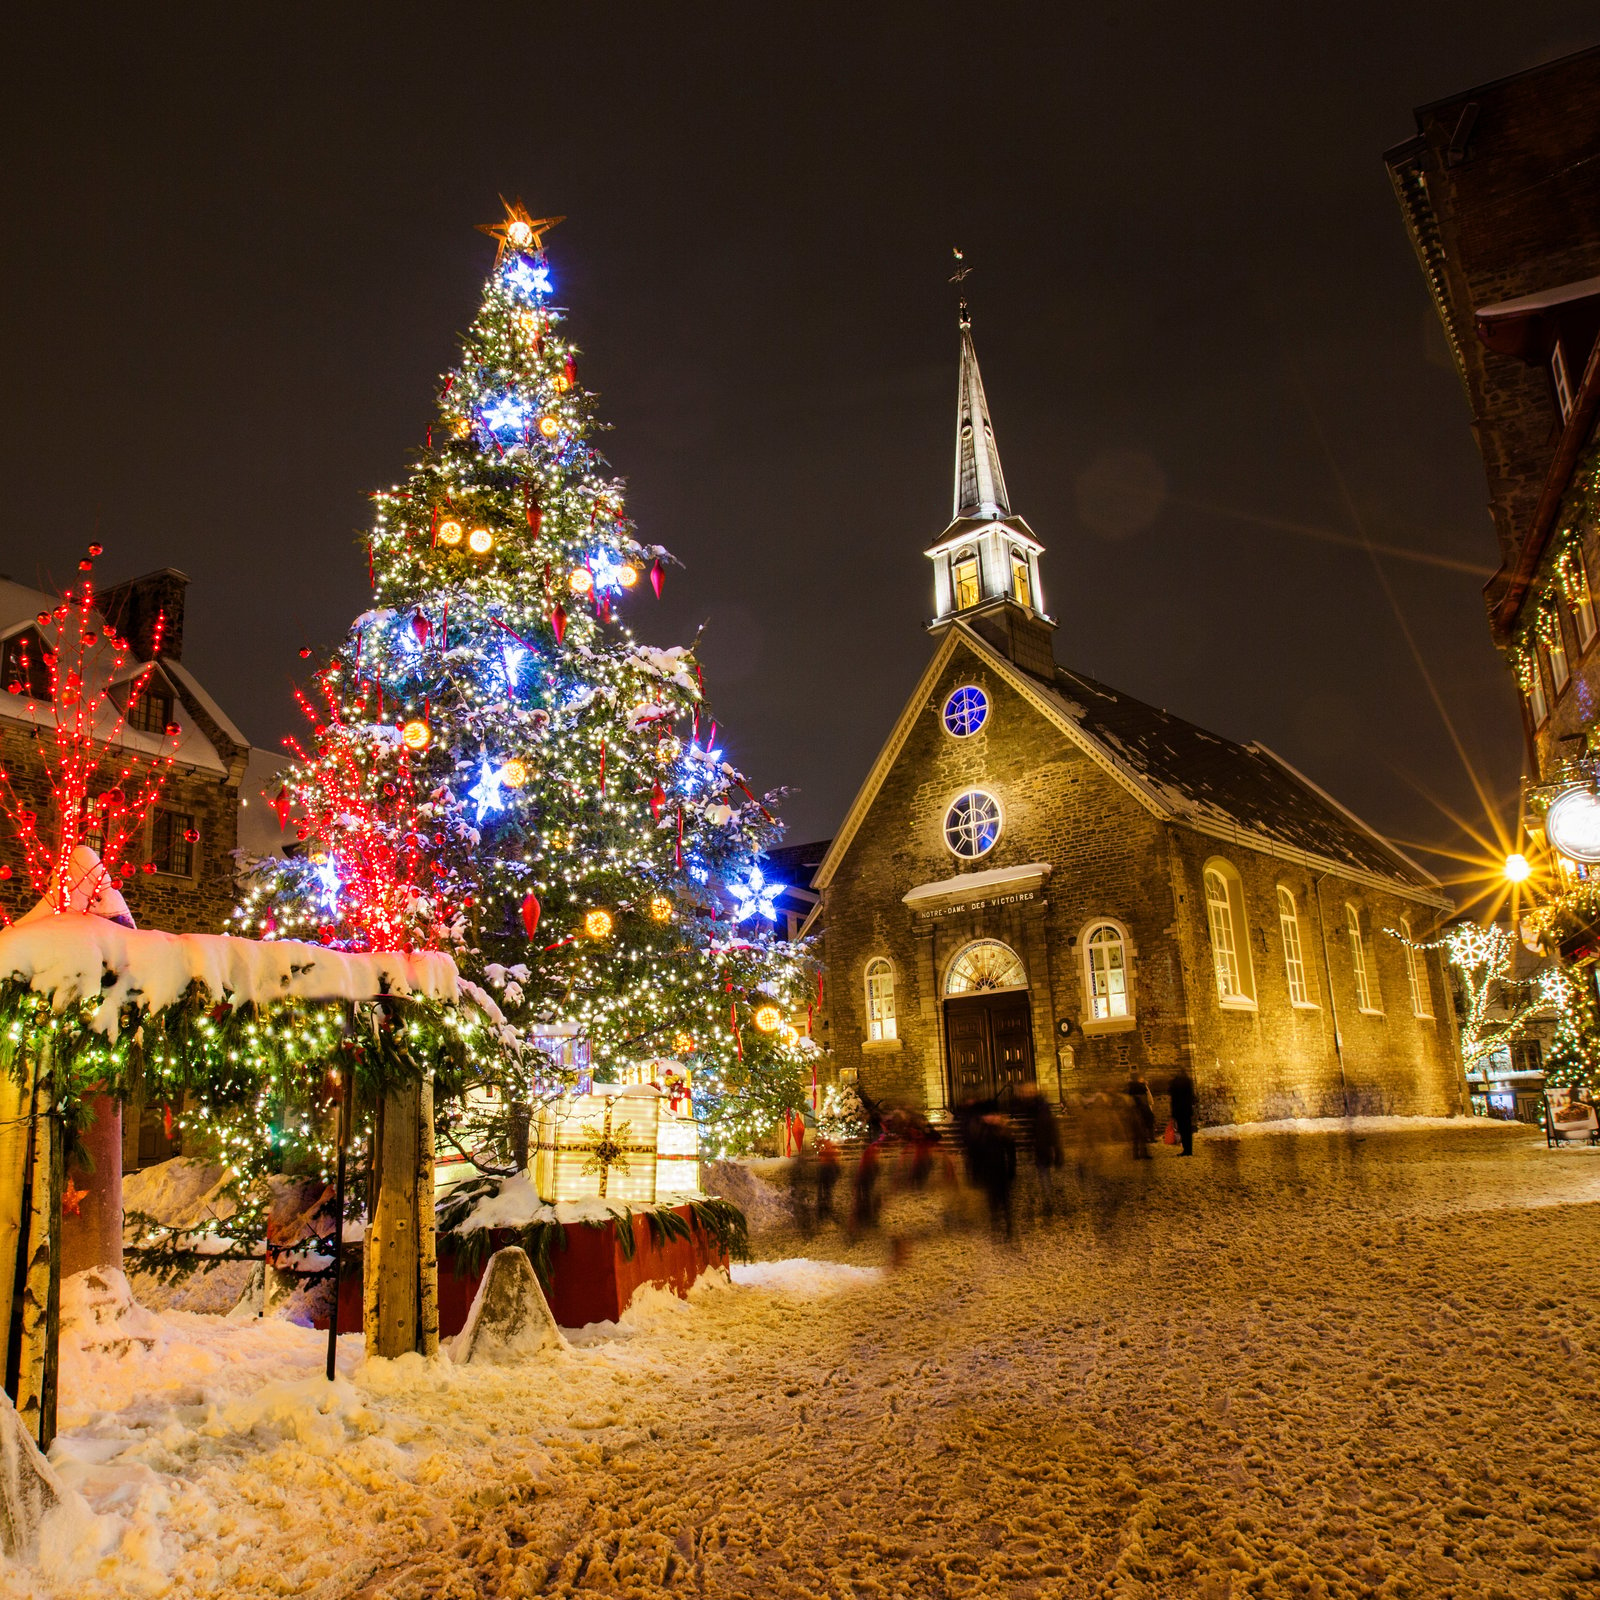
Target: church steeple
{"points": [[980, 484], [986, 563]]}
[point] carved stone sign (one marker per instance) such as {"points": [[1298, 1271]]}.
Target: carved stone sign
{"points": [[977, 905]]}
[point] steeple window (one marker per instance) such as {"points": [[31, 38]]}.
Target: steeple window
{"points": [[1021, 582], [967, 586]]}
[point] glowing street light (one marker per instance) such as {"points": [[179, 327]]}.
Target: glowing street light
{"points": [[1517, 868]]}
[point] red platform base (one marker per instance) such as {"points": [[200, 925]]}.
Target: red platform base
{"points": [[591, 1281]]}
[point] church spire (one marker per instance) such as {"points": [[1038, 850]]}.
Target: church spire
{"points": [[980, 484]]}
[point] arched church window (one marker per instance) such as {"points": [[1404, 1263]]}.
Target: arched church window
{"points": [[880, 1000], [1021, 582], [968, 591], [972, 824], [966, 711], [983, 967], [1105, 954], [1230, 937]]}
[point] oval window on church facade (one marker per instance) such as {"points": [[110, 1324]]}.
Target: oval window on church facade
{"points": [[972, 824], [966, 711]]}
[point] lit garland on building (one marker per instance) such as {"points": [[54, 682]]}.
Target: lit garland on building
{"points": [[572, 805]]}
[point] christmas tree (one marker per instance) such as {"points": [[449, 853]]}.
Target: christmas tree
{"points": [[499, 769]]}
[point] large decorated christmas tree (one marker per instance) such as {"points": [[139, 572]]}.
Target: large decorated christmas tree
{"points": [[497, 768]]}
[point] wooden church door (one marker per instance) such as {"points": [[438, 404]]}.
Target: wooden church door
{"points": [[989, 1038]]}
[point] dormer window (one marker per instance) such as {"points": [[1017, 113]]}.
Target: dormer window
{"points": [[152, 711], [23, 668], [1021, 581], [1563, 384], [968, 591]]}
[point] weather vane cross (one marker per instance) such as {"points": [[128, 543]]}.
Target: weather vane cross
{"points": [[958, 277]]}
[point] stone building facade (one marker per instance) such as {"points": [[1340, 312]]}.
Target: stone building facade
{"points": [[1500, 190], [1045, 880]]}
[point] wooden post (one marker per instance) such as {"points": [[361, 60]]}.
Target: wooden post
{"points": [[91, 1232], [400, 1280], [16, 1142], [347, 1098], [36, 1303]]}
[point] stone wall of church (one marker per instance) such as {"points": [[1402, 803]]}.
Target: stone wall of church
{"points": [[1277, 1059]]}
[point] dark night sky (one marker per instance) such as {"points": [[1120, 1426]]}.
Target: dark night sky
{"points": [[238, 248]]}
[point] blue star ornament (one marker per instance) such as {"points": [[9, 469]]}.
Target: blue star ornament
{"points": [[755, 897]]}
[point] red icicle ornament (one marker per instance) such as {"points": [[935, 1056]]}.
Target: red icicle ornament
{"points": [[558, 621], [535, 517], [655, 577], [420, 628], [530, 913], [658, 801], [280, 804], [572, 369]]}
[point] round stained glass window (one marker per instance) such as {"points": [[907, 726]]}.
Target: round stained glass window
{"points": [[966, 711], [972, 824]]}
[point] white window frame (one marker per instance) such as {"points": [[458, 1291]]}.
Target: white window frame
{"points": [[1021, 579], [983, 717], [999, 828], [1113, 1021], [1556, 649], [1563, 383], [1583, 618], [1368, 998], [1417, 972], [1294, 964], [882, 1021], [1538, 705], [1230, 935]]}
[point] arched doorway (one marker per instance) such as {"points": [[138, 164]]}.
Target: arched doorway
{"points": [[988, 1023]]}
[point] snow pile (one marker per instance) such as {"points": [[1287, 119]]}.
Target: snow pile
{"points": [[70, 957], [1361, 1124], [517, 1205], [760, 1189], [812, 1279], [179, 1193]]}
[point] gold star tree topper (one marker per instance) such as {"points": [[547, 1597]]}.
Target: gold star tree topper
{"points": [[519, 231]]}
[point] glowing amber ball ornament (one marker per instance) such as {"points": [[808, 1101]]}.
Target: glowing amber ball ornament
{"points": [[519, 234], [683, 1043], [450, 533], [416, 734], [597, 923], [513, 774], [549, 427], [480, 541], [580, 580], [768, 1019], [628, 576], [661, 908]]}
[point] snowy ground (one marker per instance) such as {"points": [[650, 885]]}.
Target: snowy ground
{"points": [[1308, 1365]]}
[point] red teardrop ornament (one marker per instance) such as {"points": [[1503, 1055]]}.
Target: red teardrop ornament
{"points": [[572, 370], [420, 628], [535, 518], [281, 805], [558, 621], [655, 578], [658, 801], [530, 913]]}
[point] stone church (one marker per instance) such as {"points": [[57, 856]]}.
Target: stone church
{"points": [[1043, 879]]}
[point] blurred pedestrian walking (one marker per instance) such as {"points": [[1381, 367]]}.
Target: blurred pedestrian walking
{"points": [[827, 1179], [1045, 1136], [1141, 1114], [994, 1160]]}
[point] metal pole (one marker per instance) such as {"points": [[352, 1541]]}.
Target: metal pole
{"points": [[346, 1104]]}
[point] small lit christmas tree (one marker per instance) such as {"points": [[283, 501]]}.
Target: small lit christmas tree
{"points": [[570, 791]]}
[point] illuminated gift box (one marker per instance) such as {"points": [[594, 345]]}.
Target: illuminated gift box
{"points": [[678, 1136], [600, 1146]]}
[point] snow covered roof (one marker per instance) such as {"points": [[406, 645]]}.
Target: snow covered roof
{"points": [[71, 957], [259, 830], [1201, 776], [1242, 794], [971, 885]]}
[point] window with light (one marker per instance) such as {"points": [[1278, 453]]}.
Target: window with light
{"points": [[1230, 951], [23, 668], [967, 590], [1021, 583], [1538, 706], [1107, 955], [152, 711], [880, 1000], [1583, 623], [966, 711], [1293, 962], [1556, 651], [972, 824], [1366, 988], [173, 837]]}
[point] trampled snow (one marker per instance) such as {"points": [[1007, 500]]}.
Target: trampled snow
{"points": [[1329, 1365]]}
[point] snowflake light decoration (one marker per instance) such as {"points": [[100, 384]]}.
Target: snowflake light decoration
{"points": [[529, 278], [507, 415], [488, 791], [755, 897]]}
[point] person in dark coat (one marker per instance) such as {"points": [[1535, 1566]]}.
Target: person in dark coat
{"points": [[1181, 1095], [994, 1167], [1045, 1137]]}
